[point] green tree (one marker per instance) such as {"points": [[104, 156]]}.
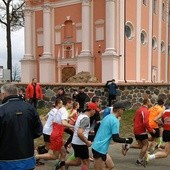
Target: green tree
{"points": [[12, 17]]}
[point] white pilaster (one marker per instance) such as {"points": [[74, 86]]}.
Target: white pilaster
{"points": [[166, 43], [138, 40], [159, 38], [28, 33], [85, 55], [110, 59], [47, 31], [28, 70], [109, 68], [28, 62], [47, 64], [86, 28], [150, 35], [110, 27], [122, 38]]}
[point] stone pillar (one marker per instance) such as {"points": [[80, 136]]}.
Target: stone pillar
{"points": [[110, 60], [85, 28], [47, 31], [28, 33], [110, 27], [85, 60], [47, 62], [28, 62]]}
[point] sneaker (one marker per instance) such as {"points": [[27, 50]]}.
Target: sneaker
{"points": [[59, 164], [146, 160], [139, 163]]}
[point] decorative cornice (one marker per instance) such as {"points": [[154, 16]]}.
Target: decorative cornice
{"points": [[58, 4]]}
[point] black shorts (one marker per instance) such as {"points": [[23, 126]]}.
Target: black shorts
{"points": [[98, 155], [156, 134], [46, 138], [81, 151], [166, 135], [141, 137]]}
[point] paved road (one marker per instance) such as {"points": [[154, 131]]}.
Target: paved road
{"points": [[121, 162]]}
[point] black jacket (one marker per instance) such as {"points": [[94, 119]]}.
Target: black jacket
{"points": [[19, 126]]}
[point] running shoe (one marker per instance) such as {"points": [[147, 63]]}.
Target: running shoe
{"points": [[146, 160], [59, 164], [139, 163]]}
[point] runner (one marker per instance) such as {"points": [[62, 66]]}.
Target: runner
{"points": [[56, 138], [141, 125], [80, 142], [153, 113], [109, 129], [166, 137]]}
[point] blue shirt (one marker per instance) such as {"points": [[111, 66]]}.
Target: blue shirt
{"points": [[109, 126], [21, 164]]}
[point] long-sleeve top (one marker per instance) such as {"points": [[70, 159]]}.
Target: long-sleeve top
{"points": [[141, 121]]}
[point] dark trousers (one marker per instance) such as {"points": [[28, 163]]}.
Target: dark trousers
{"points": [[112, 97], [70, 132], [33, 101]]}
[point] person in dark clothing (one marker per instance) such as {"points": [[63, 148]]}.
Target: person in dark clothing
{"points": [[81, 98], [112, 86], [74, 95], [61, 94], [19, 126]]}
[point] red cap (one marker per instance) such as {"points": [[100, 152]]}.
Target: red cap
{"points": [[92, 106]]}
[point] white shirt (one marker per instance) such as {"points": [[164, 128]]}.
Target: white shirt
{"points": [[47, 129], [61, 115], [86, 126]]}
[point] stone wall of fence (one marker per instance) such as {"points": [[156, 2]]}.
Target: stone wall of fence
{"points": [[132, 93]]}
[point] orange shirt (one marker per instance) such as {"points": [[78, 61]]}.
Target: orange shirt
{"points": [[154, 112]]}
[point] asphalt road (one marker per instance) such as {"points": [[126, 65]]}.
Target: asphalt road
{"points": [[121, 162]]}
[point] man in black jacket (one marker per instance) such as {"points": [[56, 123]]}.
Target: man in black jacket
{"points": [[81, 98], [19, 126]]}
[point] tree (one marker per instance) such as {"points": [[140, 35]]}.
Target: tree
{"points": [[12, 17], [16, 73]]}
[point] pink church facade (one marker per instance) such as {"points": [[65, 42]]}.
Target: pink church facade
{"points": [[128, 40]]}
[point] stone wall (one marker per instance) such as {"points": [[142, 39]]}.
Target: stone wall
{"points": [[132, 93]]}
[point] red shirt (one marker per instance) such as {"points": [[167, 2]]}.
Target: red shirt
{"points": [[141, 121], [166, 119]]}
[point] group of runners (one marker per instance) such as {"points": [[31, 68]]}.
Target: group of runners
{"points": [[87, 131]]}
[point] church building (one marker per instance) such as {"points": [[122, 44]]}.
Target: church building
{"points": [[125, 40]]}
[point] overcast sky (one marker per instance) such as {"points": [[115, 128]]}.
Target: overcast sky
{"points": [[17, 38]]}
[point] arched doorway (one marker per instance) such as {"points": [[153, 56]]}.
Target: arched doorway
{"points": [[67, 72]]}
